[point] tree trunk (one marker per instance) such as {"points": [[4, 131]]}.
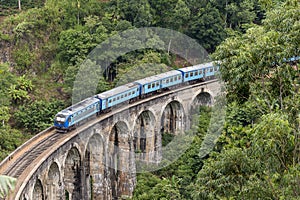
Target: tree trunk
{"points": [[19, 3]]}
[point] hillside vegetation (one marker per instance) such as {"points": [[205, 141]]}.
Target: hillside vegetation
{"points": [[258, 153]]}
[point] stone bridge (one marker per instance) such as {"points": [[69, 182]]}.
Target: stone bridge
{"points": [[98, 159]]}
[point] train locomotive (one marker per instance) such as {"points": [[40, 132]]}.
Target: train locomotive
{"points": [[74, 115]]}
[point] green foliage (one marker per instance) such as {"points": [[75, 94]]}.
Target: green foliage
{"points": [[9, 7], [207, 27], [139, 13], [7, 184], [6, 79], [19, 92], [240, 170], [74, 12], [74, 45], [10, 139], [273, 141], [259, 54], [150, 187], [166, 138], [4, 115], [38, 115]]}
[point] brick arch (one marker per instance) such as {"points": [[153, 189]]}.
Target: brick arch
{"points": [[145, 136], [38, 190], [54, 182], [72, 174], [94, 164]]}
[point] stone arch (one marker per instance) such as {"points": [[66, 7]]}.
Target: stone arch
{"points": [[119, 148], [53, 182], [204, 98], [38, 191], [173, 118], [73, 175], [94, 164], [144, 136]]}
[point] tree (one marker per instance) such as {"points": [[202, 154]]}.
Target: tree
{"points": [[236, 13], [19, 4], [207, 27], [252, 58], [139, 13], [19, 92], [180, 17], [38, 115], [6, 80], [74, 45]]}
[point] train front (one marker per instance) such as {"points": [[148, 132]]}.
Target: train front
{"points": [[61, 122]]}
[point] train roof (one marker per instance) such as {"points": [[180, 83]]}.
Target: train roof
{"points": [[117, 90], [196, 67], [158, 77], [79, 106]]}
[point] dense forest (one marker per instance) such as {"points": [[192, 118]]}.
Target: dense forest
{"points": [[43, 43]]}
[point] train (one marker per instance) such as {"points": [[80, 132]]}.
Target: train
{"points": [[72, 116]]}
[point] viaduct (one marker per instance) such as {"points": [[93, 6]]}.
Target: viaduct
{"points": [[98, 160]]}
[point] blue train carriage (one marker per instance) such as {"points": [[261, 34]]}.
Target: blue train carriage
{"points": [[170, 79], [70, 117], [198, 72], [118, 95], [150, 84]]}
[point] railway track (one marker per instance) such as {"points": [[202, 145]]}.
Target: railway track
{"points": [[20, 164], [17, 161]]}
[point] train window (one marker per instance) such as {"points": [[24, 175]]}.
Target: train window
{"points": [[114, 99], [179, 77], [216, 68], [171, 80], [196, 73], [118, 98], [191, 74], [126, 95], [200, 71], [153, 85], [137, 89], [167, 81], [133, 92], [149, 86], [157, 84], [122, 96], [211, 69], [186, 75], [129, 93], [175, 78]]}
